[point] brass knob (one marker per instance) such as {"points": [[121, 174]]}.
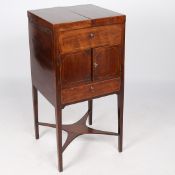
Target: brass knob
{"points": [[92, 88], [95, 65], [92, 35]]}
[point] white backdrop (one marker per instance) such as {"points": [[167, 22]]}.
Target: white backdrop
{"points": [[149, 98]]}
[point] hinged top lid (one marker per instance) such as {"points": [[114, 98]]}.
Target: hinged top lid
{"points": [[86, 15]]}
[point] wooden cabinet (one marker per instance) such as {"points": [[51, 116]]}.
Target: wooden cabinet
{"points": [[77, 54]]}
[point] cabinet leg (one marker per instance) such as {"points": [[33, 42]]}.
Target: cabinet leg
{"points": [[58, 115], [90, 105], [120, 121], [35, 109]]}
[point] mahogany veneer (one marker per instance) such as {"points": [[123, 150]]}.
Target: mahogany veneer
{"points": [[77, 54]]}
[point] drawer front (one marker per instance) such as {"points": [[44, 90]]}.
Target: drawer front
{"points": [[75, 40], [84, 92]]}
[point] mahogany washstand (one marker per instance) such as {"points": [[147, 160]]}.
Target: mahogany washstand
{"points": [[77, 54]]}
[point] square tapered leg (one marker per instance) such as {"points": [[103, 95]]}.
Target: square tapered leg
{"points": [[120, 121], [90, 107], [58, 116], [35, 109]]}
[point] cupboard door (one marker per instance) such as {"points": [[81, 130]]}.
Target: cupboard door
{"points": [[106, 63], [76, 68]]}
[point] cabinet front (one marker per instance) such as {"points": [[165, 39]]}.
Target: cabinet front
{"points": [[76, 68], [90, 62], [106, 63]]}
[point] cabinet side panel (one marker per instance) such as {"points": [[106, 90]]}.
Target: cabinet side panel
{"points": [[41, 55]]}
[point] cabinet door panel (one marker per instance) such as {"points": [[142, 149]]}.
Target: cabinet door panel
{"points": [[106, 63], [76, 68]]}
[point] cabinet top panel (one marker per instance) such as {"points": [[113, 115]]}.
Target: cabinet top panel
{"points": [[90, 14], [93, 12]]}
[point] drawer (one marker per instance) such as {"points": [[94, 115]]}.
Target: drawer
{"points": [[84, 92], [75, 40]]}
